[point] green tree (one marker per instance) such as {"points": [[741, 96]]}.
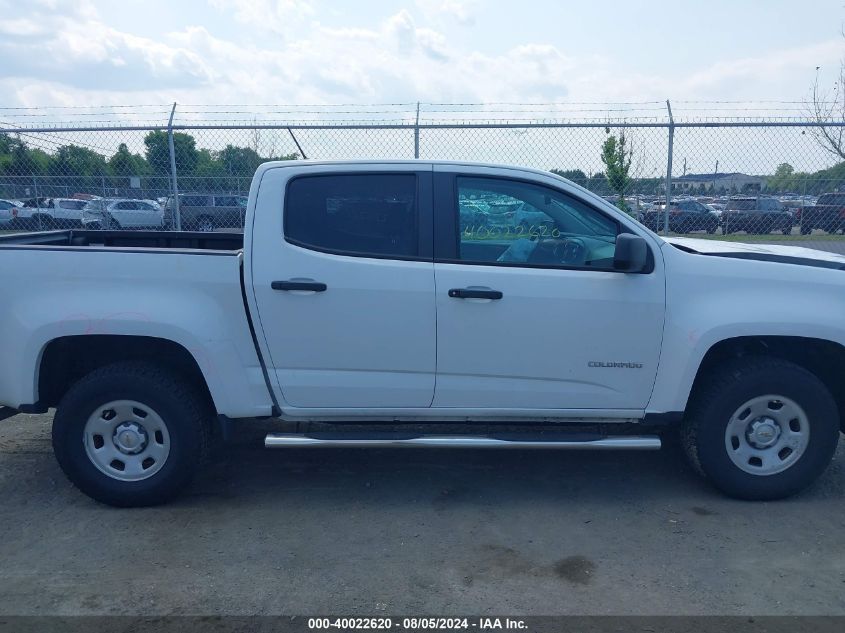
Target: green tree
{"points": [[77, 168], [616, 156], [575, 175], [158, 152], [783, 179], [124, 163], [239, 161], [18, 159]]}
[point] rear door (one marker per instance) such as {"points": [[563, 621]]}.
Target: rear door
{"points": [[343, 280], [534, 318]]}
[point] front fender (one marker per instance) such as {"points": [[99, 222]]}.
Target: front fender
{"points": [[712, 299]]}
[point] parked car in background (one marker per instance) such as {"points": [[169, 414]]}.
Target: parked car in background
{"points": [[828, 214], [8, 213], [758, 215], [715, 207], [685, 216], [207, 212], [122, 213], [32, 214], [44, 214]]}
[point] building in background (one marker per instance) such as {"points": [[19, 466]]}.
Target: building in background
{"points": [[719, 181]]}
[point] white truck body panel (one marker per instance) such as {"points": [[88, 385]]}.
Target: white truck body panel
{"points": [[191, 299], [714, 298]]}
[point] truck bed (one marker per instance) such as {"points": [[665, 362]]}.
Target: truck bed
{"points": [[172, 240], [185, 288]]}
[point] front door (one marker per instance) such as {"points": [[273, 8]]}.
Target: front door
{"points": [[344, 283], [530, 313]]}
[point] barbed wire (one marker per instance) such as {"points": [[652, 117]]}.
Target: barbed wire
{"points": [[69, 118]]}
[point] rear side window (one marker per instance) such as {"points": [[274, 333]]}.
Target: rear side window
{"points": [[355, 214]]}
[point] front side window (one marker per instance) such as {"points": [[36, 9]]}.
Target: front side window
{"points": [[355, 214], [508, 221], [75, 205]]}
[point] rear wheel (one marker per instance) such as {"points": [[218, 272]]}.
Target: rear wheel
{"points": [[131, 434], [761, 428]]}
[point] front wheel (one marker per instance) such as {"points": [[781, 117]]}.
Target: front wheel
{"points": [[131, 434], [761, 428]]}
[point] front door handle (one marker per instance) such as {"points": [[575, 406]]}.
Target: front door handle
{"points": [[475, 293], [313, 286]]}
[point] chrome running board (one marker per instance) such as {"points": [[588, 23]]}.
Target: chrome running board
{"points": [[515, 441]]}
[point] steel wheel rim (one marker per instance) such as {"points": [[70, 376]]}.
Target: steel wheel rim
{"points": [[767, 435], [126, 440]]}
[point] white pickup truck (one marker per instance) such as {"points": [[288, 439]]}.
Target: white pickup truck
{"points": [[413, 292]]}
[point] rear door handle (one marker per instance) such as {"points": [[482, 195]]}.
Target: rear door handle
{"points": [[313, 286], [475, 293]]}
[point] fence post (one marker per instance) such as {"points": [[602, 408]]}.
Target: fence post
{"points": [[174, 187], [417, 133], [669, 169], [37, 202]]}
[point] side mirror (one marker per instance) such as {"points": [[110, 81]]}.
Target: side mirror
{"points": [[631, 254]]}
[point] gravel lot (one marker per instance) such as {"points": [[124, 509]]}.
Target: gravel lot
{"points": [[416, 532]]}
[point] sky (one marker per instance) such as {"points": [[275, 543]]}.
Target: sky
{"points": [[131, 52]]}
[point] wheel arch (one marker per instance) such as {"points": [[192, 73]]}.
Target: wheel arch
{"points": [[823, 358], [66, 359]]}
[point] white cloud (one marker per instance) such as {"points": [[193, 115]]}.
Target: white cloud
{"points": [[66, 43], [62, 51], [461, 10], [275, 15]]}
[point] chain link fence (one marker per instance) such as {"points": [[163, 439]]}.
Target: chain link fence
{"points": [[772, 179]]}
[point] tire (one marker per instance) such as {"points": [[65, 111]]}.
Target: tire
{"points": [[806, 229], [717, 406], [174, 434], [712, 228], [205, 224]]}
